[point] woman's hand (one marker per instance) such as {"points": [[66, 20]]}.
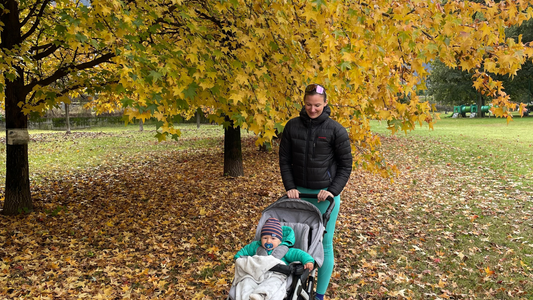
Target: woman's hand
{"points": [[293, 194], [309, 266], [323, 195]]}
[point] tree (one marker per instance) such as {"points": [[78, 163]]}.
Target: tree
{"points": [[248, 60], [232, 149], [67, 117], [454, 86], [52, 50], [39, 48], [451, 86]]}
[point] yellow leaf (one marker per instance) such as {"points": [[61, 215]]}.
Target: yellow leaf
{"points": [[269, 134], [242, 78], [161, 137], [372, 252], [441, 283], [401, 108], [213, 249], [478, 83], [259, 119], [384, 115], [488, 271]]}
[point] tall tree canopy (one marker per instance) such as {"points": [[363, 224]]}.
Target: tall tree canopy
{"points": [[248, 61]]}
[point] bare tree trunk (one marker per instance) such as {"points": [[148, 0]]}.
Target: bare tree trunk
{"points": [[17, 189], [233, 151], [198, 116], [141, 125], [480, 104], [67, 117]]}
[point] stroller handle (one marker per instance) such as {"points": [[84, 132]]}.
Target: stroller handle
{"points": [[327, 214]]}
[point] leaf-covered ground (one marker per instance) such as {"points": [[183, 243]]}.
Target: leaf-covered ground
{"points": [[440, 231], [168, 224]]}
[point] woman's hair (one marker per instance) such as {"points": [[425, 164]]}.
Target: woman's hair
{"points": [[315, 89]]}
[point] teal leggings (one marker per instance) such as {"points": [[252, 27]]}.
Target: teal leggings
{"points": [[324, 272]]}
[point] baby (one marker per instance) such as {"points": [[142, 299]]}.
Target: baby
{"points": [[253, 278]]}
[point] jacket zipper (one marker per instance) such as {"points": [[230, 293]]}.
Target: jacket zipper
{"points": [[307, 140], [315, 140]]}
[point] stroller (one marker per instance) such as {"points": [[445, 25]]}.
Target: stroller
{"points": [[309, 226]]}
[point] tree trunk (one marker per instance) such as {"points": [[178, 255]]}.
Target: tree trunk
{"points": [[17, 189], [198, 116], [141, 125], [67, 117], [480, 104], [232, 150]]}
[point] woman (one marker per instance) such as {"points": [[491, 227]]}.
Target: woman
{"points": [[315, 157]]}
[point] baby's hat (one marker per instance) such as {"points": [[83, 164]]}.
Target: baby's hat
{"points": [[272, 227]]}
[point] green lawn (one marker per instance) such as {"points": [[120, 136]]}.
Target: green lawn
{"points": [[454, 224], [51, 152], [487, 143]]}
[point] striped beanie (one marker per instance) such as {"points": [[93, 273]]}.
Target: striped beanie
{"points": [[272, 227]]}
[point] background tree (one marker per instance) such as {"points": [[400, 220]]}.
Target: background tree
{"points": [[454, 86], [451, 86], [43, 42]]}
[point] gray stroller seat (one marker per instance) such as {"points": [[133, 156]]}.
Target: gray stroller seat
{"points": [[308, 225]]}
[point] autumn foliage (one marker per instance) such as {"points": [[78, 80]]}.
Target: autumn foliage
{"points": [[248, 61], [251, 60]]}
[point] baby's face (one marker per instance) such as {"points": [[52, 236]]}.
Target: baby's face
{"points": [[269, 242]]}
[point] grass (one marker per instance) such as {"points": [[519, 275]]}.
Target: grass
{"points": [[51, 153], [456, 223], [474, 143]]}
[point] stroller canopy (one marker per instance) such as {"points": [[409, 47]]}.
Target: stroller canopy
{"points": [[304, 218]]}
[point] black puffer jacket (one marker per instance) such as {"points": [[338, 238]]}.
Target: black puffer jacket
{"points": [[315, 153]]}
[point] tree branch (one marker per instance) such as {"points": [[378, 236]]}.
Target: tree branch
{"points": [[51, 49], [30, 14], [63, 71], [37, 20], [210, 18], [79, 86], [37, 48], [69, 89]]}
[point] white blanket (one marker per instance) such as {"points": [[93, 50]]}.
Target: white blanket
{"points": [[255, 281]]}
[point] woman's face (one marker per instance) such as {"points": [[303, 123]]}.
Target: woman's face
{"points": [[314, 105]]}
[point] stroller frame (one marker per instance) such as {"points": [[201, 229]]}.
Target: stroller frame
{"points": [[302, 282]]}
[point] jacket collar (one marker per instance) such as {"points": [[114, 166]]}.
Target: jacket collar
{"points": [[319, 120], [288, 236]]}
